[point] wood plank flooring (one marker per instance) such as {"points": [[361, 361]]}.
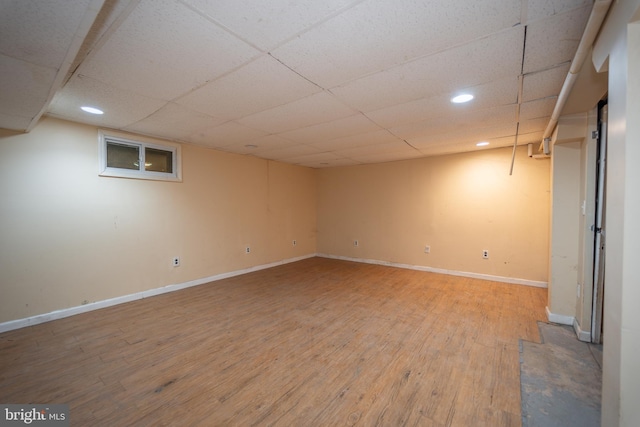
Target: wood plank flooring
{"points": [[318, 342]]}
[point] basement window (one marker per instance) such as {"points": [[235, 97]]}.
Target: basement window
{"points": [[125, 158]]}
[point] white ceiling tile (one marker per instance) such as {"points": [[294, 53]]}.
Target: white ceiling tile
{"points": [[499, 92], [533, 125], [413, 111], [107, 20], [38, 41], [40, 32], [165, 49], [288, 152], [111, 11], [461, 121], [532, 137], [315, 109], [396, 146], [303, 82], [497, 142], [320, 159], [228, 133], [24, 87], [544, 84], [173, 121], [257, 86], [365, 38], [339, 128], [483, 61], [265, 143], [507, 141], [267, 24], [378, 137], [381, 157], [543, 9], [465, 136], [236, 149], [328, 163], [540, 108], [256, 146], [121, 108], [553, 41], [452, 148]]}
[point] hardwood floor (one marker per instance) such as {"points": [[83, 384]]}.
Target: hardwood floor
{"points": [[318, 342]]}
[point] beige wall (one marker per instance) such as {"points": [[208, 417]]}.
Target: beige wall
{"points": [[68, 236], [617, 50], [458, 204], [588, 187], [573, 184], [567, 221], [563, 266]]}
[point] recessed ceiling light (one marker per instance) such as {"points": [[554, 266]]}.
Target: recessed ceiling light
{"points": [[482, 144], [92, 110], [465, 97]]}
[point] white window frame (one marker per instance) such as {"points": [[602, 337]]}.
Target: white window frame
{"points": [[104, 170]]}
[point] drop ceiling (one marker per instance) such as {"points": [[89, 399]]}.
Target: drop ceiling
{"points": [[319, 84]]}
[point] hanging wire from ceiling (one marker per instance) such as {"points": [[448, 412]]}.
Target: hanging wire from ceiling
{"points": [[519, 102]]}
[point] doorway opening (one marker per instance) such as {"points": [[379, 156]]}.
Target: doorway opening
{"points": [[598, 228]]}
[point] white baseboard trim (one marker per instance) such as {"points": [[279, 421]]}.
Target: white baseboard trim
{"points": [[559, 318], [502, 279], [60, 314], [569, 321], [582, 335]]}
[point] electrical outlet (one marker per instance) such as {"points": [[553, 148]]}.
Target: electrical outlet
{"points": [[427, 249], [355, 243], [247, 250], [176, 261], [485, 254], [295, 243]]}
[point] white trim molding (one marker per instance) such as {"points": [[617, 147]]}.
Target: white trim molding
{"points": [[559, 318], [67, 312], [569, 321], [582, 335], [512, 280], [60, 314]]}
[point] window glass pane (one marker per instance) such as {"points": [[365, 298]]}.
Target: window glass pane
{"points": [[123, 156], [158, 160]]}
